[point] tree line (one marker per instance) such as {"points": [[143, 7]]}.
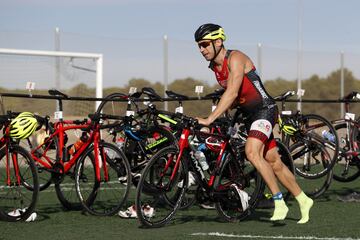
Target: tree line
{"points": [[320, 88]]}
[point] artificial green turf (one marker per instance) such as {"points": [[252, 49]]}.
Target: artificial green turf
{"points": [[329, 218]]}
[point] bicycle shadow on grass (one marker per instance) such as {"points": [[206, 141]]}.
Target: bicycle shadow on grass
{"points": [[44, 212]]}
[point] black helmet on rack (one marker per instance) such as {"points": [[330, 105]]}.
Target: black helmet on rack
{"points": [[209, 31]]}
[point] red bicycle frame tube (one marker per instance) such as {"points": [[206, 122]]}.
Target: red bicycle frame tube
{"points": [[60, 133], [5, 141], [218, 162], [16, 167], [183, 143]]}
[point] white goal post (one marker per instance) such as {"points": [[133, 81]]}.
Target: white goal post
{"points": [[97, 57]]}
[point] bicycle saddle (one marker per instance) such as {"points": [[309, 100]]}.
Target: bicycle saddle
{"points": [[175, 95], [136, 95], [285, 95], [216, 94], [151, 93], [57, 93]]}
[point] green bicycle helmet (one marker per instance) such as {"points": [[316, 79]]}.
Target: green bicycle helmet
{"points": [[23, 125]]}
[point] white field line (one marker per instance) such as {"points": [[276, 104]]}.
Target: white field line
{"points": [[217, 234]]}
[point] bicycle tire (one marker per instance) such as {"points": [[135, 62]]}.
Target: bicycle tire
{"points": [[44, 175], [228, 204], [311, 134], [141, 151], [107, 196], [341, 174], [155, 186], [66, 191], [17, 201], [189, 198], [312, 186]]}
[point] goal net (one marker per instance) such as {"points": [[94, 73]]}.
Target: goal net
{"points": [[75, 74]]}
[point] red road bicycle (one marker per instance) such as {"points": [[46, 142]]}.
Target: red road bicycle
{"points": [[19, 185], [230, 182], [95, 177]]}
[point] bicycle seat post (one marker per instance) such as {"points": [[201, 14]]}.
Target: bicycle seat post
{"points": [[180, 108], [60, 110], [283, 105]]}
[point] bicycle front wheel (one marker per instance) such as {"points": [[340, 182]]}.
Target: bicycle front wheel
{"points": [[161, 189], [104, 196], [19, 185]]}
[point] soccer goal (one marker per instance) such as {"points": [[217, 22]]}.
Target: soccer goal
{"points": [[76, 74]]}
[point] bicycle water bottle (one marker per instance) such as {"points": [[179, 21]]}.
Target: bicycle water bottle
{"points": [[200, 156], [328, 135], [76, 146], [120, 142]]}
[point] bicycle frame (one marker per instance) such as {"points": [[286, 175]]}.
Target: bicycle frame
{"points": [[6, 142], [351, 125], [184, 144], [60, 132]]}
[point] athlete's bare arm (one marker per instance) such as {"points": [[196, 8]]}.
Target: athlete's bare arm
{"points": [[238, 62]]}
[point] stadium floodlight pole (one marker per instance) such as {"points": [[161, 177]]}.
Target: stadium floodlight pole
{"points": [[299, 54], [98, 57], [99, 80], [166, 70], [259, 62], [57, 63], [342, 79], [57, 60]]}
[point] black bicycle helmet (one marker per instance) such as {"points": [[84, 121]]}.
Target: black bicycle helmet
{"points": [[209, 31]]}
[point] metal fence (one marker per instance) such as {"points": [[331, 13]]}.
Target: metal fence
{"points": [[158, 59]]}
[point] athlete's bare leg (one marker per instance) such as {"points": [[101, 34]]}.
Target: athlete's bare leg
{"points": [[254, 152], [254, 149], [287, 179]]}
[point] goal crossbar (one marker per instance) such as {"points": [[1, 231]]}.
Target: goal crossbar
{"points": [[97, 57]]}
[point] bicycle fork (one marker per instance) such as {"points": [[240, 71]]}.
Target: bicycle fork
{"points": [[100, 153]]}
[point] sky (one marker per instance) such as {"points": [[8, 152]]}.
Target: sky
{"points": [[129, 34]]}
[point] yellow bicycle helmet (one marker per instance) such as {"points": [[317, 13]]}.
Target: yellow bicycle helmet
{"points": [[23, 125], [209, 31], [287, 125]]}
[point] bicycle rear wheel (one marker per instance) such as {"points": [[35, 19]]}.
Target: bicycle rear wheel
{"points": [[104, 197], [18, 193], [159, 192], [308, 160], [347, 168], [310, 135], [228, 202], [66, 191], [153, 139], [48, 151]]}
